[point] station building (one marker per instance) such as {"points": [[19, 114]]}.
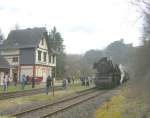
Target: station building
{"points": [[26, 52]]}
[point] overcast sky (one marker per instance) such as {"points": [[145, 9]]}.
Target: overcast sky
{"points": [[84, 24]]}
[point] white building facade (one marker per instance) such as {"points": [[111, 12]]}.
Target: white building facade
{"points": [[28, 53]]}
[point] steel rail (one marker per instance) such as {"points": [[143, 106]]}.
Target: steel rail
{"points": [[71, 105], [82, 93]]}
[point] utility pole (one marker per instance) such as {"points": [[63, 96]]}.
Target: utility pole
{"points": [[54, 76]]}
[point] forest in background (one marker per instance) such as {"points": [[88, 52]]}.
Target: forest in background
{"points": [[117, 51]]}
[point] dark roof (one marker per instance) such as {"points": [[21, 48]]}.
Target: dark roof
{"points": [[3, 63], [23, 38]]}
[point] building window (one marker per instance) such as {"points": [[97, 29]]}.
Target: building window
{"points": [[49, 59], [42, 41], [39, 55], [45, 55], [15, 59], [53, 59]]}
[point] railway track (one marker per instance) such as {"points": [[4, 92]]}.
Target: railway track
{"points": [[24, 93], [59, 106]]}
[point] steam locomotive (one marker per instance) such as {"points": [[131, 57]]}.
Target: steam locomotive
{"points": [[109, 75]]}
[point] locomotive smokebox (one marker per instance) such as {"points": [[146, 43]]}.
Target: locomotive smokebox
{"points": [[108, 74]]}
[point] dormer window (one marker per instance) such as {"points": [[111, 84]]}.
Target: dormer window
{"points": [[53, 59], [50, 59], [42, 43]]}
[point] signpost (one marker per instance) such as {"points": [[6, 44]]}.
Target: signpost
{"points": [[54, 77]]}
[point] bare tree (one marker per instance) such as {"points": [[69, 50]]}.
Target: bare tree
{"points": [[142, 56]]}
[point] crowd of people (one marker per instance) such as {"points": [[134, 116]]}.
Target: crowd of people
{"points": [[68, 80], [26, 80], [86, 81]]}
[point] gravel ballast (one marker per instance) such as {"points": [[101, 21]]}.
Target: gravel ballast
{"points": [[86, 109]]}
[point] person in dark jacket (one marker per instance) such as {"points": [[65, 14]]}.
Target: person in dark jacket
{"points": [[27, 80], [15, 79], [33, 82], [48, 84]]}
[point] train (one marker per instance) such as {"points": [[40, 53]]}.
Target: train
{"points": [[109, 75]]}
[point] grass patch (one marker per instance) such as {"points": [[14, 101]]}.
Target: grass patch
{"points": [[112, 108], [7, 117], [12, 88], [132, 102]]}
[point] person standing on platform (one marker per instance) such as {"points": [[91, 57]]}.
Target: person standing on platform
{"points": [[65, 83], [15, 79], [48, 84], [23, 82], [5, 86]]}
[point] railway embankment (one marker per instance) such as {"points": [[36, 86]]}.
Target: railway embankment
{"points": [[131, 102]]}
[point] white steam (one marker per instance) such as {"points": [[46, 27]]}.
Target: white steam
{"points": [[122, 73]]}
